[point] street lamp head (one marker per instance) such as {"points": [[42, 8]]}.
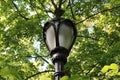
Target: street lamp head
{"points": [[59, 35]]}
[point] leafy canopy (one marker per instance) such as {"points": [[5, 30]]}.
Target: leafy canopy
{"points": [[96, 52]]}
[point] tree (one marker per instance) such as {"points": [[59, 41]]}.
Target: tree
{"points": [[23, 54]]}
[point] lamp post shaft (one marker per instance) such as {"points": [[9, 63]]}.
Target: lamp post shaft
{"points": [[58, 70]]}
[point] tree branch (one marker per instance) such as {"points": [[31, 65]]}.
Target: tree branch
{"points": [[43, 59], [60, 3], [71, 10], [18, 11], [87, 37], [39, 73], [45, 9], [34, 8], [92, 67], [96, 14], [63, 1], [39, 57], [55, 6]]}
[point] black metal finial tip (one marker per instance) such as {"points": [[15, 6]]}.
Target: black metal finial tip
{"points": [[59, 12]]}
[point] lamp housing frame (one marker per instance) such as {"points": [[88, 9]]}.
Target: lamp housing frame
{"points": [[63, 52]]}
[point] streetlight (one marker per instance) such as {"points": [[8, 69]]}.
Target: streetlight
{"points": [[59, 36]]}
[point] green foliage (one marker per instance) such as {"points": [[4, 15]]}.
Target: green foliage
{"points": [[23, 53], [111, 70], [65, 78]]}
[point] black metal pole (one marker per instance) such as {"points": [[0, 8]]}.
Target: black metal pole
{"points": [[58, 70], [59, 58]]}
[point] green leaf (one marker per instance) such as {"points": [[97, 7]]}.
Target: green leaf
{"points": [[114, 67], [118, 73], [65, 78], [105, 69], [5, 71]]}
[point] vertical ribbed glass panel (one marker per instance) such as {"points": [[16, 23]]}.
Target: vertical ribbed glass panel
{"points": [[50, 38], [65, 36]]}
